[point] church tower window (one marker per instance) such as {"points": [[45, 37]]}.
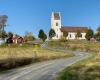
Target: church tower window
{"points": [[56, 24]]}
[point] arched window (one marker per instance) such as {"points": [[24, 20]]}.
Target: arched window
{"points": [[57, 35], [70, 35], [56, 24]]}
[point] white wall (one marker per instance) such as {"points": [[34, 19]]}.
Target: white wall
{"points": [[83, 36], [72, 36]]}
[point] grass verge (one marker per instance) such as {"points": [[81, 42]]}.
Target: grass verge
{"points": [[88, 69], [12, 57]]}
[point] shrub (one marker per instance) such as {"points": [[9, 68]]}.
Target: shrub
{"points": [[14, 62]]}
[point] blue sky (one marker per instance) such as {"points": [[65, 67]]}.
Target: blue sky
{"points": [[33, 15]]}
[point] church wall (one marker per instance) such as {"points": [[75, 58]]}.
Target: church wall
{"points": [[72, 36]]}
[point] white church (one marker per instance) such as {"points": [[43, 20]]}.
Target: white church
{"points": [[59, 29]]}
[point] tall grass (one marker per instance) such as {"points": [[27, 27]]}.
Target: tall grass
{"points": [[81, 45], [88, 69], [11, 57]]}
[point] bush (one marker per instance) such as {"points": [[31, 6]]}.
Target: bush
{"points": [[63, 40], [9, 41], [14, 62]]}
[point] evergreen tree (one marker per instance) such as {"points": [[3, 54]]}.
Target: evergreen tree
{"points": [[10, 35], [42, 35], [45, 37], [78, 34], [89, 34], [51, 33], [97, 35], [65, 34]]}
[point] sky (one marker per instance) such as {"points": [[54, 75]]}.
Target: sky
{"points": [[33, 15]]}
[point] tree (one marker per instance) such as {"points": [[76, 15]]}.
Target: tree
{"points": [[97, 35], [65, 34], [0, 34], [45, 37], [4, 34], [3, 20], [10, 35], [42, 35], [78, 34], [98, 30], [89, 34], [29, 36], [51, 33]]}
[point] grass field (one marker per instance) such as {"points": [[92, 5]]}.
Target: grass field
{"points": [[88, 69], [11, 57], [77, 45]]}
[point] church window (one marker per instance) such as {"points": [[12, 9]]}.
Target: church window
{"points": [[56, 24], [57, 29], [57, 35], [70, 36]]}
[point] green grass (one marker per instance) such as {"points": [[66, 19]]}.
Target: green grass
{"points": [[88, 69]]}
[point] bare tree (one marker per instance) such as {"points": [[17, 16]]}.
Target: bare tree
{"points": [[3, 20]]}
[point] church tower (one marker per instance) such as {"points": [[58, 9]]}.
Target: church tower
{"points": [[56, 24]]}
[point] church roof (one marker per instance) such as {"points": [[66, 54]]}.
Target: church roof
{"points": [[73, 29], [56, 16]]}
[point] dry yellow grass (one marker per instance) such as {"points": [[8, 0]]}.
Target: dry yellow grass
{"points": [[11, 57], [88, 69], [29, 53]]}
